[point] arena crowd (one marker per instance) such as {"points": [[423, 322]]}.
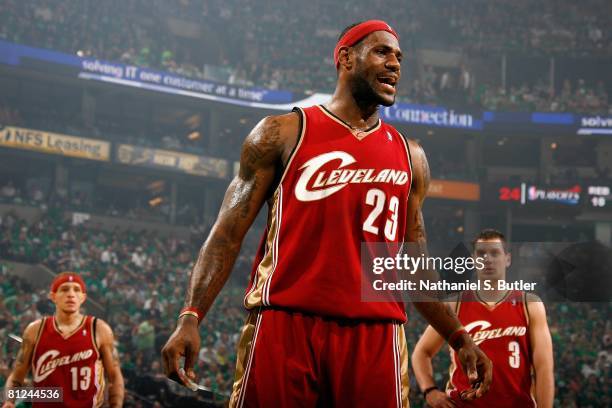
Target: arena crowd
{"points": [[140, 278], [288, 46]]}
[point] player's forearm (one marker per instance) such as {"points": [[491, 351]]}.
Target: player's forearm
{"points": [[116, 389], [439, 315], [423, 369], [12, 382], [213, 267], [22, 361], [116, 393], [545, 395], [545, 384]]}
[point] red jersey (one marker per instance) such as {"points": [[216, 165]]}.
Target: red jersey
{"points": [[502, 333], [340, 188], [71, 362]]}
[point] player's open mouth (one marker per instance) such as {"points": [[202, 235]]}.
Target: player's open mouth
{"points": [[388, 82]]}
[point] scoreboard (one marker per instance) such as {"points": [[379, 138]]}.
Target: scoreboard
{"points": [[579, 195], [598, 196]]}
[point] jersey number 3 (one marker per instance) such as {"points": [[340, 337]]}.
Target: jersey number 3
{"points": [[515, 354], [377, 198]]}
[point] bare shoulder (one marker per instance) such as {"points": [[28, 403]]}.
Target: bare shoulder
{"points": [[417, 154], [104, 333], [31, 330], [275, 127], [106, 345], [420, 168], [535, 308], [273, 138], [415, 149], [28, 342], [532, 298]]}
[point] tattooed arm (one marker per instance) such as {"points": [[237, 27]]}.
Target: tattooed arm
{"points": [[24, 359], [439, 315], [264, 151], [110, 359]]}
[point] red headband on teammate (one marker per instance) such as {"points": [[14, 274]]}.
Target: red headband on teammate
{"points": [[355, 34], [67, 277]]}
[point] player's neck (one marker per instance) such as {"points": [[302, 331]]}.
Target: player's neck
{"points": [[67, 320], [492, 295], [350, 111]]}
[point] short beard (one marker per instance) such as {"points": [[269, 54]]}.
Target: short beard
{"points": [[364, 94]]}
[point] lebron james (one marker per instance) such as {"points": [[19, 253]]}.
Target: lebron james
{"points": [[334, 176]]}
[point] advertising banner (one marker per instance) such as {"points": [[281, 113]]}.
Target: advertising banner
{"points": [[430, 115], [172, 83], [594, 125], [54, 143], [169, 160], [256, 97], [129, 75]]}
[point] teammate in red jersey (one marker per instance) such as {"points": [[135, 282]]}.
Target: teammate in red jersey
{"points": [[70, 351], [509, 326], [334, 176]]}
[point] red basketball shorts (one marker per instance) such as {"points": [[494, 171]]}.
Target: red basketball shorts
{"points": [[289, 359]]}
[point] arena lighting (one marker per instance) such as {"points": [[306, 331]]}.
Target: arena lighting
{"points": [[194, 135], [154, 202]]}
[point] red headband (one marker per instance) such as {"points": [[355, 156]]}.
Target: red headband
{"points": [[67, 277], [352, 36]]}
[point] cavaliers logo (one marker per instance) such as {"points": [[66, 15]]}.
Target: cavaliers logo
{"points": [[326, 183], [479, 331], [49, 361]]}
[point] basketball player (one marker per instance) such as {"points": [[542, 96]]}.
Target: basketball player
{"points": [[510, 327], [69, 350], [334, 176]]}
